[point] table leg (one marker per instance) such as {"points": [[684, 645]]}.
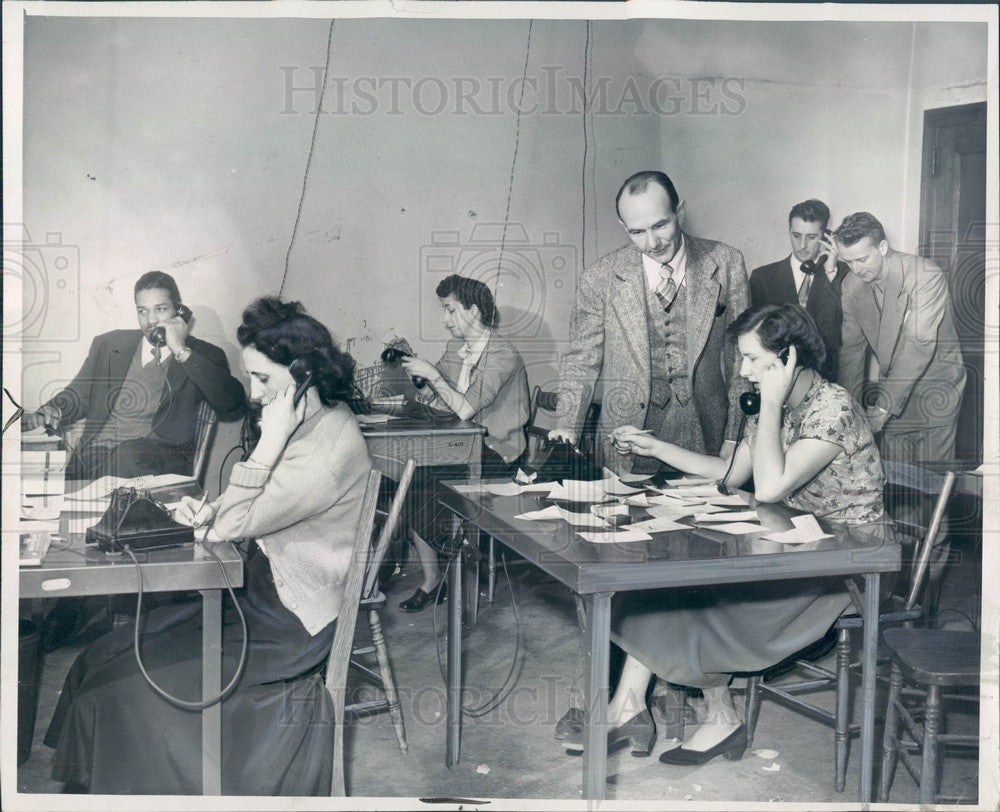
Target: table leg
{"points": [[471, 572], [869, 651], [453, 734], [595, 754], [211, 684]]}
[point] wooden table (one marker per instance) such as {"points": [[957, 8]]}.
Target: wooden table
{"points": [[72, 569], [678, 559], [436, 442]]}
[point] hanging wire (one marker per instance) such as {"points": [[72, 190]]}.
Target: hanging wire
{"points": [[312, 146]]}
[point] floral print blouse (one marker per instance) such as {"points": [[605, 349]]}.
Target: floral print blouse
{"points": [[849, 489]]}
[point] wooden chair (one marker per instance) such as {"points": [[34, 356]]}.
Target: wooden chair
{"points": [[897, 475], [933, 659], [206, 421], [343, 638], [372, 599]]}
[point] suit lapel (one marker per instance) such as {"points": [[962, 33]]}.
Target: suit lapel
{"points": [[894, 306], [701, 278], [119, 360], [784, 283], [629, 303]]}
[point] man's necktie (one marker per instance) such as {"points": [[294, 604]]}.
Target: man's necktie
{"points": [[804, 289], [156, 354], [666, 290]]}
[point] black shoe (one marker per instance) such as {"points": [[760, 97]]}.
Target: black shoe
{"points": [[731, 748], [571, 724], [639, 732], [420, 599]]}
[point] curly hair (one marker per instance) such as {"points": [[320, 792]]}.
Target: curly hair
{"points": [[470, 292], [158, 280], [780, 326], [859, 225], [283, 332]]}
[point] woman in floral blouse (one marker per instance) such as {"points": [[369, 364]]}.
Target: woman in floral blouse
{"points": [[810, 448]]}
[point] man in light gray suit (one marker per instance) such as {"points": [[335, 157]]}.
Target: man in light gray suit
{"points": [[898, 306], [647, 332]]}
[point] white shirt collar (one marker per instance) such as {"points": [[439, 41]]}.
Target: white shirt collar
{"points": [[653, 268], [470, 355], [147, 352]]}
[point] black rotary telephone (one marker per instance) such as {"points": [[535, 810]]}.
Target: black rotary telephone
{"points": [[810, 266], [158, 335], [137, 521], [396, 352]]}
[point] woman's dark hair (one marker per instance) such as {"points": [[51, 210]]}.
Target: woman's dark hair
{"points": [[470, 292], [283, 331], [779, 326]]}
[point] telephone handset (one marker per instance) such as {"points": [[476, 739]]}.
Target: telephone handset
{"points": [[299, 369], [158, 335], [750, 401], [810, 266]]}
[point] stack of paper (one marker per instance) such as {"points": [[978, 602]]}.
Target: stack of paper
{"points": [[102, 488]]}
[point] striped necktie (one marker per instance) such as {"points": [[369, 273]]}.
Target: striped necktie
{"points": [[805, 287], [666, 290]]}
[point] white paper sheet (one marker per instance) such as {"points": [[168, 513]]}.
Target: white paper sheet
{"points": [[738, 528], [470, 487], [503, 488], [725, 516], [688, 481], [616, 536], [550, 512], [607, 511], [581, 519], [728, 501], [577, 490], [672, 512], [43, 508], [658, 524], [372, 419], [689, 491], [36, 525], [805, 529]]}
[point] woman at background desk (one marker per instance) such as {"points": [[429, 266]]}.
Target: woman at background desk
{"points": [[810, 448], [296, 501], [479, 377]]}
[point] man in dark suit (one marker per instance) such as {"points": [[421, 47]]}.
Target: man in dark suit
{"points": [[800, 278], [648, 331], [139, 391]]}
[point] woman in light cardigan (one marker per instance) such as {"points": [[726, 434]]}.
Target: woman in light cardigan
{"points": [[295, 502], [479, 377]]}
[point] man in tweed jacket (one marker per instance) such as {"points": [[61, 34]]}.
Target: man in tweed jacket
{"points": [[614, 333]]}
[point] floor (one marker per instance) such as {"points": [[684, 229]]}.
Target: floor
{"points": [[508, 749]]}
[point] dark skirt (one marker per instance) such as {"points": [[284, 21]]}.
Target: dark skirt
{"points": [[700, 637], [113, 734], [425, 515]]}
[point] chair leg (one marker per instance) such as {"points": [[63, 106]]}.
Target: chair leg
{"points": [[889, 734], [388, 679], [752, 707], [929, 765], [842, 717], [491, 571]]}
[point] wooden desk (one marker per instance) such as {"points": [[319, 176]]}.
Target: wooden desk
{"points": [[682, 558], [432, 442], [72, 569], [428, 442]]}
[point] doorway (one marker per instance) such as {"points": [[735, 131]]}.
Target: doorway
{"points": [[953, 235]]}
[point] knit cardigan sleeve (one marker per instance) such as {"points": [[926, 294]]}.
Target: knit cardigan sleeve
{"points": [[305, 481]]}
